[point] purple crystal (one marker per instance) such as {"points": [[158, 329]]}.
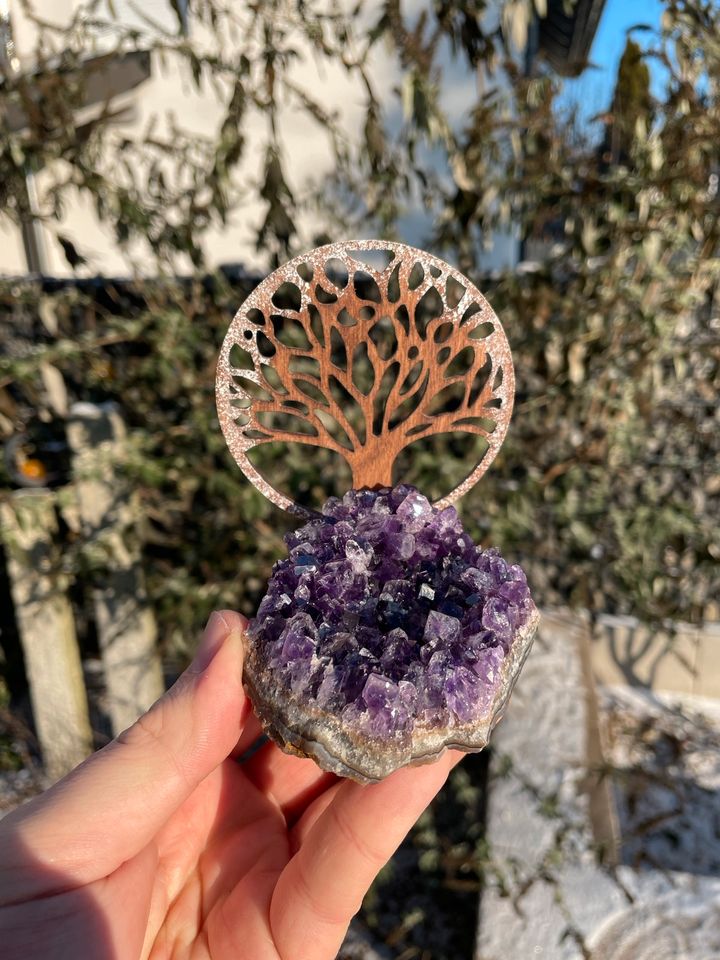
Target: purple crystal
{"points": [[387, 615]]}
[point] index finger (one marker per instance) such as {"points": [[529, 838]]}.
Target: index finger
{"points": [[322, 887]]}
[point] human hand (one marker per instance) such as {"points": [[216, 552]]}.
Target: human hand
{"points": [[162, 845]]}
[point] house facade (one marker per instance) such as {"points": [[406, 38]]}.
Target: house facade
{"points": [[143, 90]]}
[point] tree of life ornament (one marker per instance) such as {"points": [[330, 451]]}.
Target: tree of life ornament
{"points": [[332, 351]]}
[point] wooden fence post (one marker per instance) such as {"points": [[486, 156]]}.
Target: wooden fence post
{"points": [[108, 509], [47, 630]]}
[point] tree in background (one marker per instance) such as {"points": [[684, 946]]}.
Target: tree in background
{"points": [[605, 487], [632, 107]]}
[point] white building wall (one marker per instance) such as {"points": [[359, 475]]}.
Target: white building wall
{"points": [[170, 91]]}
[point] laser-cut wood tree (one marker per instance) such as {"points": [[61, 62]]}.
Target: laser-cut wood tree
{"points": [[333, 352]]}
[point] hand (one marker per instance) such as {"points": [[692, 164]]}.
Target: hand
{"points": [[162, 845]]}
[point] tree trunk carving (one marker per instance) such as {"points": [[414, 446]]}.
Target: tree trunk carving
{"points": [[333, 352]]}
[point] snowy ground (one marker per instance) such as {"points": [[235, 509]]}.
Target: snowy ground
{"points": [[663, 752], [557, 891], [664, 755]]}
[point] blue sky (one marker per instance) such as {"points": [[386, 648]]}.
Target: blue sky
{"points": [[591, 93], [593, 90]]}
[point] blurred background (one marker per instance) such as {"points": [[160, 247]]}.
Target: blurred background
{"points": [[157, 159]]}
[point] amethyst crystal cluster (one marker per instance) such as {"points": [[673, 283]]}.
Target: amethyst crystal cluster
{"points": [[386, 635]]}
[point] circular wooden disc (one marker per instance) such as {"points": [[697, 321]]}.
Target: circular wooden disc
{"points": [[363, 347]]}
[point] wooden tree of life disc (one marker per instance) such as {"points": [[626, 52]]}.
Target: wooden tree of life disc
{"points": [[364, 360]]}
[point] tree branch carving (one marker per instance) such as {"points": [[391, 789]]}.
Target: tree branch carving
{"points": [[330, 351]]}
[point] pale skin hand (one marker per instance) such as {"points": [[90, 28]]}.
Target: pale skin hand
{"points": [[162, 846]]}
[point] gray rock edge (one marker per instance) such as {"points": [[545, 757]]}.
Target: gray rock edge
{"points": [[308, 731]]}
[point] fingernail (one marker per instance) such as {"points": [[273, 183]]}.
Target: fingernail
{"points": [[215, 634]]}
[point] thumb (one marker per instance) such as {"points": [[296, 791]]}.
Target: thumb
{"points": [[112, 805]]}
